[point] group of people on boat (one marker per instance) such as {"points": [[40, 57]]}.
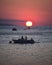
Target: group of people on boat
{"points": [[23, 40]]}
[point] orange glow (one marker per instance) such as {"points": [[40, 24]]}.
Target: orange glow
{"points": [[37, 11], [29, 23]]}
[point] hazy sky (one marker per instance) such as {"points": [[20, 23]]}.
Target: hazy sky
{"points": [[39, 11]]}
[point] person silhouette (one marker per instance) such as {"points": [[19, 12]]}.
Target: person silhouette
{"points": [[31, 39], [25, 37], [22, 38]]}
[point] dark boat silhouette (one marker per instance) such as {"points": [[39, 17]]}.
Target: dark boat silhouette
{"points": [[23, 41], [14, 29]]}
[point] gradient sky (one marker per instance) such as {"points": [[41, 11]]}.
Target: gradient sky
{"points": [[38, 11]]}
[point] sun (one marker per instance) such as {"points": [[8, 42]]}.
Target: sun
{"points": [[29, 23]]}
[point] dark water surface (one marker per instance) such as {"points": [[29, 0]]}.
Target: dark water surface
{"points": [[27, 54], [42, 34]]}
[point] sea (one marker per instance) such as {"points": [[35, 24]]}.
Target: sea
{"points": [[26, 54]]}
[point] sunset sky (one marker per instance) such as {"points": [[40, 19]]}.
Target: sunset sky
{"points": [[38, 11]]}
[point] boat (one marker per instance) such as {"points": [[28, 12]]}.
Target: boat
{"points": [[22, 41], [14, 29]]}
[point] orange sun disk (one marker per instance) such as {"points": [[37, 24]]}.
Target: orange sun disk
{"points": [[28, 23]]}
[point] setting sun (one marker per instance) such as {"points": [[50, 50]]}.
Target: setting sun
{"points": [[29, 23]]}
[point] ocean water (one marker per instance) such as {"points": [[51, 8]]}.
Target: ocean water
{"points": [[40, 34], [26, 54]]}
